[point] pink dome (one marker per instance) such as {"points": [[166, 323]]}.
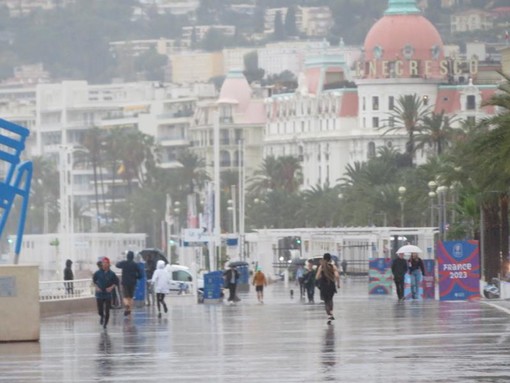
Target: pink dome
{"points": [[406, 43], [236, 88]]}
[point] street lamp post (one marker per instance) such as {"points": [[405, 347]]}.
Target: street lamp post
{"points": [[432, 194], [441, 197], [401, 191]]}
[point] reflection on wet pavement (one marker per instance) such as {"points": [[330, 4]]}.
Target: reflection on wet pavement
{"points": [[373, 339]]}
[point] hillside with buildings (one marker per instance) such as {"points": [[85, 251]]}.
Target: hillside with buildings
{"points": [[130, 40], [125, 98]]}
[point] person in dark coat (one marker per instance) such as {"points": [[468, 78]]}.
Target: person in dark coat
{"points": [[105, 281], [69, 276], [231, 278], [329, 280], [309, 281], [399, 270], [130, 275]]}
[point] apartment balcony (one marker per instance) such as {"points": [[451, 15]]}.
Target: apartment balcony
{"points": [[173, 141]]}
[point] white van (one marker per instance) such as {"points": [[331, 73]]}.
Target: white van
{"points": [[181, 279]]}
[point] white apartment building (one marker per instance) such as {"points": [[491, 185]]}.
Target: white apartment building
{"points": [[201, 31], [64, 112], [134, 48], [18, 8], [177, 7], [233, 58], [315, 21], [270, 16], [471, 20]]}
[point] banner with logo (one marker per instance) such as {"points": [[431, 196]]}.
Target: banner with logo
{"points": [[379, 276], [429, 286], [459, 270]]}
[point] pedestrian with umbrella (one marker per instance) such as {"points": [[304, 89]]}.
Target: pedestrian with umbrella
{"points": [[417, 271]]}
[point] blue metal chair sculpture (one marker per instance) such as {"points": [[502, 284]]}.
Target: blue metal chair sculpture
{"points": [[17, 178]]}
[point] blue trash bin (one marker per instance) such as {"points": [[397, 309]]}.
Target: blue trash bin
{"points": [[213, 287], [139, 295]]}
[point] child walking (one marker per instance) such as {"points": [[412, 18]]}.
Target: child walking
{"points": [[161, 282]]}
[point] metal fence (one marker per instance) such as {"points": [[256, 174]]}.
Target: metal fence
{"points": [[61, 290]]}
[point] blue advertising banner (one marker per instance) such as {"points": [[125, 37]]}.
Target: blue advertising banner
{"points": [[429, 287], [379, 276], [459, 270]]}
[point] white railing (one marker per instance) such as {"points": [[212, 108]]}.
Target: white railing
{"points": [[61, 290]]}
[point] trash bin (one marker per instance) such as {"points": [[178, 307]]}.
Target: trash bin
{"points": [[139, 296], [213, 287]]}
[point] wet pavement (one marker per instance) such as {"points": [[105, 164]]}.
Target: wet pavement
{"points": [[373, 339]]}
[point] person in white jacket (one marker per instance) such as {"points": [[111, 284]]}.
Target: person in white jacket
{"points": [[161, 282]]}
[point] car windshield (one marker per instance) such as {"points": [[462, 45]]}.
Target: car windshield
{"points": [[181, 275]]}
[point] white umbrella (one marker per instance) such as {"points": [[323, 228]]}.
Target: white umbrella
{"points": [[409, 249]]}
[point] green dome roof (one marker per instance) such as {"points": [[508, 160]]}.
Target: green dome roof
{"points": [[402, 7]]}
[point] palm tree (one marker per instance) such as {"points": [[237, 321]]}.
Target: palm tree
{"points": [[44, 193], [277, 173], [407, 114], [436, 132], [92, 142], [192, 175], [321, 207]]}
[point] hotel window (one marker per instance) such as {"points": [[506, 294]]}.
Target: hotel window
{"points": [[375, 122], [371, 150], [364, 104], [391, 103], [375, 103], [391, 121], [471, 102]]}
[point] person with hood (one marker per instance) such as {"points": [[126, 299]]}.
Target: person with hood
{"points": [[105, 281], [161, 282], [130, 274], [329, 280], [69, 276], [399, 270], [259, 281]]}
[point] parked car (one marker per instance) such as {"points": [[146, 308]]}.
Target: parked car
{"points": [[181, 279]]}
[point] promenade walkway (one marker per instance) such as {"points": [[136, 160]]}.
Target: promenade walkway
{"points": [[374, 339]]}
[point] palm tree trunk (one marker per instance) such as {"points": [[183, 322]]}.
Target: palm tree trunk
{"points": [[492, 240], [504, 233]]}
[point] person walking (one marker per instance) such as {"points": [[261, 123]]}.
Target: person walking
{"points": [[231, 278], [300, 273], [344, 267], [161, 282], [105, 281], [417, 271], [259, 281], [69, 276], [329, 280], [130, 274], [399, 270], [309, 281]]}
